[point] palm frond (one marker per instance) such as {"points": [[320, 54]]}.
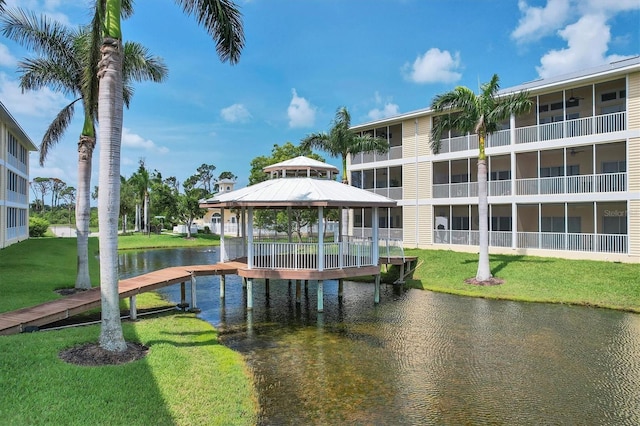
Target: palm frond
{"points": [[55, 130], [37, 73], [140, 65], [223, 22]]}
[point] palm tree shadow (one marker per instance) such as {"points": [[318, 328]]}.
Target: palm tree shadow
{"points": [[504, 260]]}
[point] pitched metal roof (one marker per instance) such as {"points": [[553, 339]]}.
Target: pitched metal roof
{"points": [[301, 163], [299, 192]]}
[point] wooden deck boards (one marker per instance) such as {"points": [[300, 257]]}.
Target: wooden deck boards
{"points": [[17, 321]]}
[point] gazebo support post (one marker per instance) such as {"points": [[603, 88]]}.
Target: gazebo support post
{"points": [[249, 294], [320, 296], [223, 279]]}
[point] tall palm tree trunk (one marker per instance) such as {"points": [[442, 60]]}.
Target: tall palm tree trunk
{"points": [[83, 209], [484, 270], [110, 105]]}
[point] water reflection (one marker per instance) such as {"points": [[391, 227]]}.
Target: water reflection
{"points": [[419, 357]]}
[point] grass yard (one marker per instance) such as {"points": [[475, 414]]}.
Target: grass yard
{"points": [[533, 279]]}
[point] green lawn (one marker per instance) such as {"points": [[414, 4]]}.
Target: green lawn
{"points": [[187, 378], [533, 279]]}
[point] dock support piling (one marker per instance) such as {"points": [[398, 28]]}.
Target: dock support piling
{"points": [[194, 303], [340, 287], [298, 298], [249, 294], [266, 287], [183, 296], [222, 285], [320, 296], [376, 292], [133, 311]]}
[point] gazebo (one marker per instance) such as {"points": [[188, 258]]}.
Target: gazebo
{"points": [[300, 183]]}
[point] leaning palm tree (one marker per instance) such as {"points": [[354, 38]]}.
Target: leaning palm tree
{"points": [[67, 61], [482, 114], [222, 20], [341, 141]]}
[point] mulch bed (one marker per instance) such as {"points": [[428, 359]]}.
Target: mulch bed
{"points": [[489, 282], [92, 355]]}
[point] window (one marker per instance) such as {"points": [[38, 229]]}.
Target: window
{"points": [[460, 223], [460, 178], [551, 171], [614, 166], [608, 96], [356, 179], [555, 106], [500, 175], [614, 225], [501, 223], [552, 224]]}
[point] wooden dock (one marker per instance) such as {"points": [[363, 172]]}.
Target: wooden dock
{"points": [[31, 318]]}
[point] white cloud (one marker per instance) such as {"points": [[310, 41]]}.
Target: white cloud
{"points": [[235, 113], [301, 113], [134, 141], [388, 110], [538, 22], [32, 103], [587, 45], [435, 66], [6, 58]]}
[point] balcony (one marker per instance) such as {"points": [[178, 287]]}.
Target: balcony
{"points": [[580, 184], [606, 123], [583, 242]]}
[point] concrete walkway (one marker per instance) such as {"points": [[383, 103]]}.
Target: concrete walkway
{"points": [[66, 231]]}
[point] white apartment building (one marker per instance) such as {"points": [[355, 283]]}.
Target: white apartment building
{"points": [[564, 180], [14, 180]]}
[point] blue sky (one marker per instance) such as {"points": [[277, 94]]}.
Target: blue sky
{"points": [[305, 58]]}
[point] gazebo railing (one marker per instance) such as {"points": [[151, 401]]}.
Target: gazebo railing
{"points": [[346, 254]]}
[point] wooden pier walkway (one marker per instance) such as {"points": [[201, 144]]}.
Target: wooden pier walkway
{"points": [[32, 317], [22, 319]]}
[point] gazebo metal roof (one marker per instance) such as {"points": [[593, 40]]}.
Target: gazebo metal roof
{"points": [[299, 191]]}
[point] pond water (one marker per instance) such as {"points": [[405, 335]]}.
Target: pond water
{"points": [[418, 357]]}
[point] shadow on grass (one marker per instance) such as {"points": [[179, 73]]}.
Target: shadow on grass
{"points": [[504, 260]]}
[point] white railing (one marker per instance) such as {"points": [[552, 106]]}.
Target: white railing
{"points": [[275, 255], [499, 138], [499, 187], [233, 248], [606, 123], [605, 182], [601, 243]]}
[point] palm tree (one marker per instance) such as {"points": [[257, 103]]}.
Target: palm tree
{"points": [[222, 20], [67, 61], [482, 114], [341, 141]]}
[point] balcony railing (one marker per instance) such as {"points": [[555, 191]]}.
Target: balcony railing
{"points": [[605, 182], [600, 243], [606, 123]]}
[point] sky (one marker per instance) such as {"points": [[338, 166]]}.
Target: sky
{"points": [[304, 59]]}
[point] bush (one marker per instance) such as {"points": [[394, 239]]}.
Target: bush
{"points": [[37, 226], [207, 230]]}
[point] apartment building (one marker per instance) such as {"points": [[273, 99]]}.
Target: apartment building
{"points": [[14, 180], [564, 179]]}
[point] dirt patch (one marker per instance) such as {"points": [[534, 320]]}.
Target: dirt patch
{"points": [[92, 355], [69, 291], [489, 282]]}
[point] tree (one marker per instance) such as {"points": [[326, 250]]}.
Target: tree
{"points": [[270, 219], [141, 182], [127, 201], [41, 186], [164, 196], [189, 202], [205, 177], [222, 20], [67, 61], [465, 111], [341, 141]]}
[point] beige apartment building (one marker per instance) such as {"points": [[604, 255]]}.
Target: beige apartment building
{"points": [[564, 180], [14, 180]]}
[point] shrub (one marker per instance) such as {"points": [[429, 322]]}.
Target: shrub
{"points": [[37, 226]]}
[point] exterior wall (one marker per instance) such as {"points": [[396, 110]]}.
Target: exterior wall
{"points": [[14, 173]]}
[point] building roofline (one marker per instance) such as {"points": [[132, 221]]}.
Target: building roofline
{"points": [[619, 67], [13, 125]]}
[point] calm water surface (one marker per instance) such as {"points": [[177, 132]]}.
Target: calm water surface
{"points": [[419, 357]]}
